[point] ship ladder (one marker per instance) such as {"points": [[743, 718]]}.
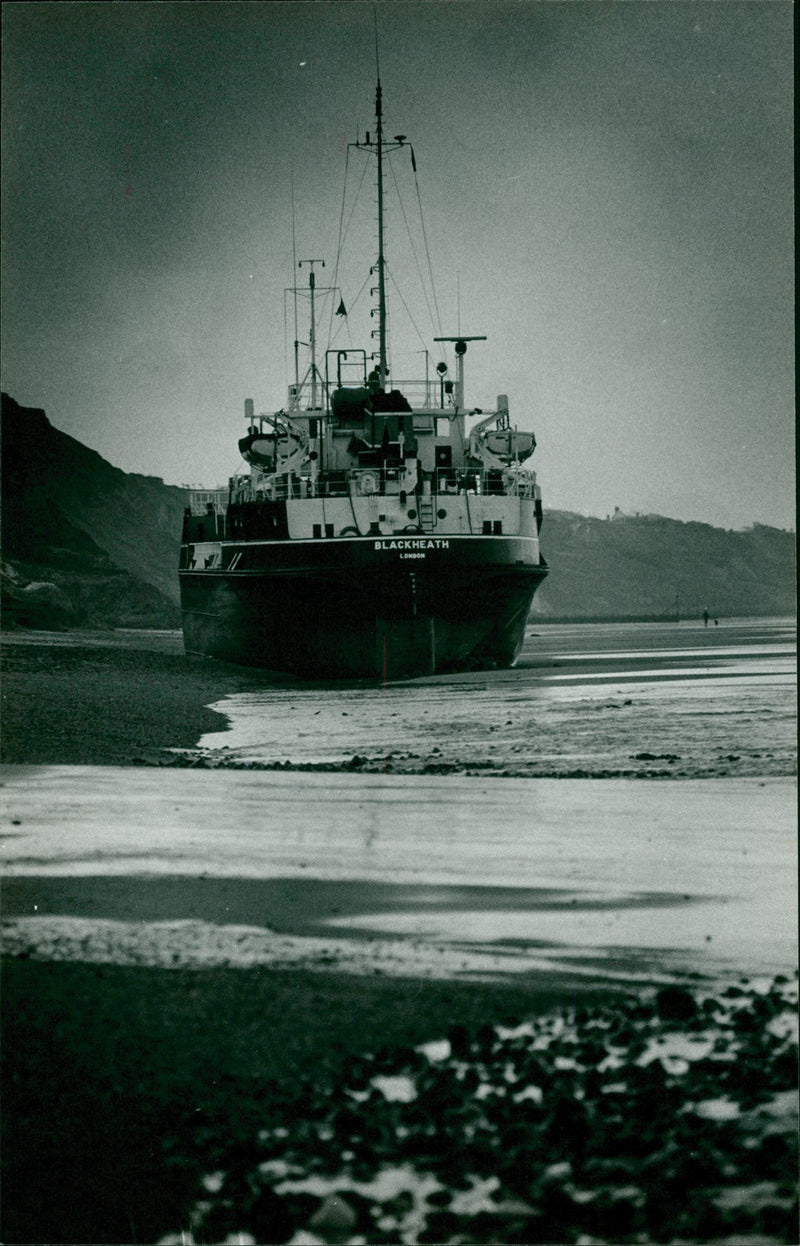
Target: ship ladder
{"points": [[427, 513]]}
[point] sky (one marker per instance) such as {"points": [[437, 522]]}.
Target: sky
{"points": [[606, 193]]}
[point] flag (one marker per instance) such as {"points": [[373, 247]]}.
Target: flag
{"points": [[341, 310]]}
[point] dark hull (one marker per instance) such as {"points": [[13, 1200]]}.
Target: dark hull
{"points": [[363, 608]]}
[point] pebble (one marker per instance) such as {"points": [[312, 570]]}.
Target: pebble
{"points": [[675, 1004], [334, 1216], [588, 1125]]}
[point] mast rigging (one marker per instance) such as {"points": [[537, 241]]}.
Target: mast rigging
{"points": [[380, 148]]}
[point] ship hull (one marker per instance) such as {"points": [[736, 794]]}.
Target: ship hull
{"points": [[385, 608]]}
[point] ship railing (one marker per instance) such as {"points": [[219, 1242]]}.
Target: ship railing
{"points": [[207, 502], [516, 483], [339, 484], [423, 395]]}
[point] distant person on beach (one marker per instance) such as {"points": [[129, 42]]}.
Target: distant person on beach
{"points": [[706, 617]]}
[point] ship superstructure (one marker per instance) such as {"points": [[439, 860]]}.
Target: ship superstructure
{"points": [[380, 529]]}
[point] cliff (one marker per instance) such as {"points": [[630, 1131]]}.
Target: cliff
{"points": [[105, 540], [649, 566]]}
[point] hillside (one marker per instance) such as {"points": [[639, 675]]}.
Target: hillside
{"points": [[102, 546], [106, 539], [649, 566]]}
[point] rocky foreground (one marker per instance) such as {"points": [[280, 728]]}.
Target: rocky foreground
{"points": [[667, 1119], [670, 1119]]}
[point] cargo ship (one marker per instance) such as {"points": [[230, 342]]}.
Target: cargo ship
{"points": [[380, 529]]}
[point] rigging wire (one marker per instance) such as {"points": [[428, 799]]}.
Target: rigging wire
{"points": [[413, 251], [286, 336], [405, 305], [434, 313], [352, 306], [294, 270], [343, 237], [427, 252], [355, 201], [339, 241]]}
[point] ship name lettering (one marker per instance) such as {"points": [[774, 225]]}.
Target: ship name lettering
{"points": [[413, 543]]}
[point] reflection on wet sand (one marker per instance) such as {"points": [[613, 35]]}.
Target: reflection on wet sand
{"points": [[582, 702], [618, 879]]}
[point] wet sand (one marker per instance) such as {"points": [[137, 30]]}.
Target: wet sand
{"points": [[106, 698], [127, 1081], [200, 868], [635, 701]]}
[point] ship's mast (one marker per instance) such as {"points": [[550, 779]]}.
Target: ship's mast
{"points": [[314, 372], [379, 147], [382, 362]]}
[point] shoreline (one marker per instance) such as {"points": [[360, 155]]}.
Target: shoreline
{"points": [[130, 698], [126, 1085]]}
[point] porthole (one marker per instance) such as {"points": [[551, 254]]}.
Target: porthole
{"points": [[442, 514], [412, 514]]}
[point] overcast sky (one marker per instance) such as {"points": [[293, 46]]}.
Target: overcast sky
{"points": [[607, 195]]}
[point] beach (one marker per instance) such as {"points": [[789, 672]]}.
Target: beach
{"points": [[133, 1077], [106, 697]]}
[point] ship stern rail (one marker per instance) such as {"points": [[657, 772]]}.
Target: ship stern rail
{"points": [[206, 502], [382, 482]]}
